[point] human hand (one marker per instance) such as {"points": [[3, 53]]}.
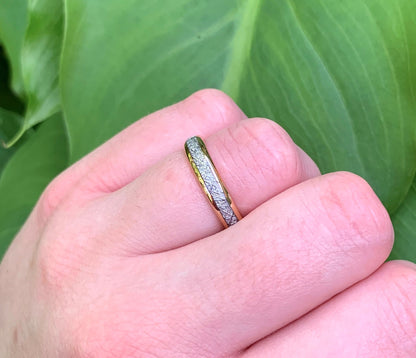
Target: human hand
{"points": [[124, 257]]}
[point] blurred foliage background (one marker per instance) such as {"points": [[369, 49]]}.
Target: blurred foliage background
{"points": [[339, 76]]}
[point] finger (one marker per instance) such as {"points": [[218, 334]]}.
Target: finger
{"points": [[291, 254], [128, 154], [375, 318], [166, 206]]}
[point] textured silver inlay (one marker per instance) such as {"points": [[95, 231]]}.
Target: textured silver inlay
{"points": [[211, 180]]}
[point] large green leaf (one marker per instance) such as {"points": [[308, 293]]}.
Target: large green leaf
{"points": [[13, 21], [40, 62], [336, 74], [404, 221], [28, 172], [339, 76]]}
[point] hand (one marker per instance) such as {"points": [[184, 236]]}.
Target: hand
{"points": [[124, 257]]}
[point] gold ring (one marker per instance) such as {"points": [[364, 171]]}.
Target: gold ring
{"points": [[211, 182]]}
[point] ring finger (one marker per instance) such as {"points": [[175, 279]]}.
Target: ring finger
{"points": [[162, 209]]}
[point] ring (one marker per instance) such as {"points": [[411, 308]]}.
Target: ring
{"points": [[211, 182]]}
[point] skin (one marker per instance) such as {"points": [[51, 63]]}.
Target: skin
{"points": [[123, 256]]}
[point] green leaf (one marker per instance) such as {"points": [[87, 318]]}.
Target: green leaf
{"points": [[336, 74], [13, 21], [404, 222], [28, 172], [5, 155], [8, 99], [340, 75], [40, 62], [9, 123]]}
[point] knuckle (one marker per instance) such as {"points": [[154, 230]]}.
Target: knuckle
{"points": [[351, 203], [400, 293], [220, 106], [212, 95], [273, 152]]}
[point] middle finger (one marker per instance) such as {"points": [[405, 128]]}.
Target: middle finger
{"points": [[286, 257]]}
